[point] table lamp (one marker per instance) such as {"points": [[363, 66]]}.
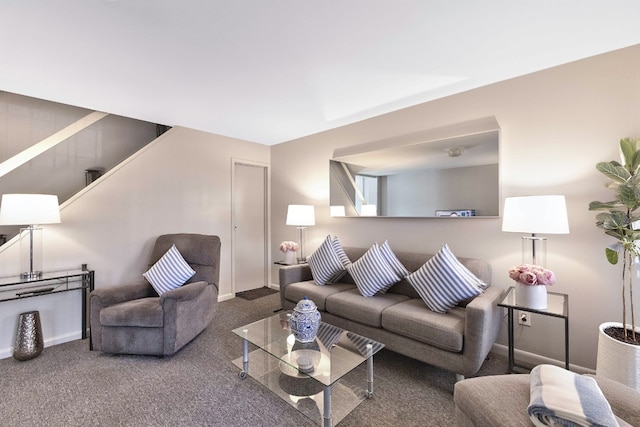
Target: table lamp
{"points": [[31, 210], [301, 216], [535, 214]]}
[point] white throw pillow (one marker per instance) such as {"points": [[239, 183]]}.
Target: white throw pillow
{"points": [[170, 272], [372, 272], [325, 263], [443, 282]]}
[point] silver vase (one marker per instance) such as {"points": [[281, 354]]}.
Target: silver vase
{"points": [[29, 343]]}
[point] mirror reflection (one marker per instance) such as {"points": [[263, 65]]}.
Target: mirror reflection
{"points": [[449, 177]]}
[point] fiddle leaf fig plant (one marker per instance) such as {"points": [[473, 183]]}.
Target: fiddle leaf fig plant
{"points": [[619, 219]]}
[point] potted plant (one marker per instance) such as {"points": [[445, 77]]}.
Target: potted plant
{"points": [[619, 219]]}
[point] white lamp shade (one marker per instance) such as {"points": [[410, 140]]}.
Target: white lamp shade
{"points": [[29, 209], [337, 210], [301, 215], [535, 214], [369, 210]]}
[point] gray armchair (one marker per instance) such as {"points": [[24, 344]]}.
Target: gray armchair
{"points": [[133, 319]]}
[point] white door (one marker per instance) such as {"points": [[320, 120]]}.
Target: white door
{"points": [[249, 264]]}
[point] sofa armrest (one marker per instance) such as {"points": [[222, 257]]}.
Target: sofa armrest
{"points": [[622, 398], [482, 325], [292, 274]]}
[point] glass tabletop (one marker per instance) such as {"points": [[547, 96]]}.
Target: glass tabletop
{"points": [[15, 287], [334, 352], [557, 304]]}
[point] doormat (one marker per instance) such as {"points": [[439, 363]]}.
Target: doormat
{"points": [[256, 293]]}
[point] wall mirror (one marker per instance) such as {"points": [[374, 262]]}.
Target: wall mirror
{"points": [[446, 172]]}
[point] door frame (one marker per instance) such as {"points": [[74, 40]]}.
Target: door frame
{"points": [[267, 218]]}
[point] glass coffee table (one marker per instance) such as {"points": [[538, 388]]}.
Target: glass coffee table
{"points": [[319, 378]]}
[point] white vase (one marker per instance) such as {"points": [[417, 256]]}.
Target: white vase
{"points": [[618, 360], [531, 296], [290, 257]]}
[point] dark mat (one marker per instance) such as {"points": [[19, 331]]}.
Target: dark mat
{"points": [[256, 293]]}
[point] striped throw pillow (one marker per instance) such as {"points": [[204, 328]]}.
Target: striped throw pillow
{"points": [[325, 264], [170, 272], [337, 247], [442, 282], [372, 273], [393, 260]]}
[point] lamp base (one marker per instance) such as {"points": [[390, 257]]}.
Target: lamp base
{"points": [[534, 250], [32, 275]]}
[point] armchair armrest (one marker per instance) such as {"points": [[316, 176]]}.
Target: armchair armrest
{"points": [[187, 310], [482, 325], [184, 292], [116, 294]]}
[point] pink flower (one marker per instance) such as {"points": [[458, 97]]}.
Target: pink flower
{"points": [[288, 245], [528, 278], [529, 274]]}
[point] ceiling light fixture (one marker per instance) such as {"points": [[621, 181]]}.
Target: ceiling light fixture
{"points": [[454, 151]]}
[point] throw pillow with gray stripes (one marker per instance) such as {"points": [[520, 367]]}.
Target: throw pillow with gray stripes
{"points": [[170, 272], [442, 282]]}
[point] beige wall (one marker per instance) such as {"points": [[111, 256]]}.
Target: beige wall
{"points": [[556, 125], [179, 183]]}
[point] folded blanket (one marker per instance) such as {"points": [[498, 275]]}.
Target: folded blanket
{"points": [[563, 398]]}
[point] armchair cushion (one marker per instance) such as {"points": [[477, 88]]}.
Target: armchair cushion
{"points": [[170, 272], [143, 312]]}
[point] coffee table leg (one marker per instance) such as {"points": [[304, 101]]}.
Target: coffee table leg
{"points": [[245, 356], [369, 371], [326, 417]]}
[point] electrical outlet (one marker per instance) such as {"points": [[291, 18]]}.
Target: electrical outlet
{"points": [[524, 318]]}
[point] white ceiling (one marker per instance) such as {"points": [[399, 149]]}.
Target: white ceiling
{"points": [[270, 71]]}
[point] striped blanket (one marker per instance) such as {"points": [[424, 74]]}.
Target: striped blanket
{"points": [[563, 398]]}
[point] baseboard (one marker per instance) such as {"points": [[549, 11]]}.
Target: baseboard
{"points": [[8, 352], [531, 359], [225, 297]]}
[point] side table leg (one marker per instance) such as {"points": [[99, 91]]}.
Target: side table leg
{"points": [[511, 343], [566, 343], [326, 416], [245, 355], [369, 371]]}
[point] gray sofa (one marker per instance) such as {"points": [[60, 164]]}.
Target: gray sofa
{"points": [[458, 341], [502, 400]]}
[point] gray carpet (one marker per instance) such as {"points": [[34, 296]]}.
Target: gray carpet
{"points": [[68, 385]]}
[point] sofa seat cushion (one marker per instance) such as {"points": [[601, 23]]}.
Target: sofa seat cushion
{"points": [[414, 320], [318, 294], [352, 305], [143, 312]]}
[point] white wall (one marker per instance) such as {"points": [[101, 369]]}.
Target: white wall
{"points": [[556, 125], [179, 183]]}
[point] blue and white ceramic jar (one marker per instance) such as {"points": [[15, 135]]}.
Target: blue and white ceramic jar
{"points": [[305, 320]]}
